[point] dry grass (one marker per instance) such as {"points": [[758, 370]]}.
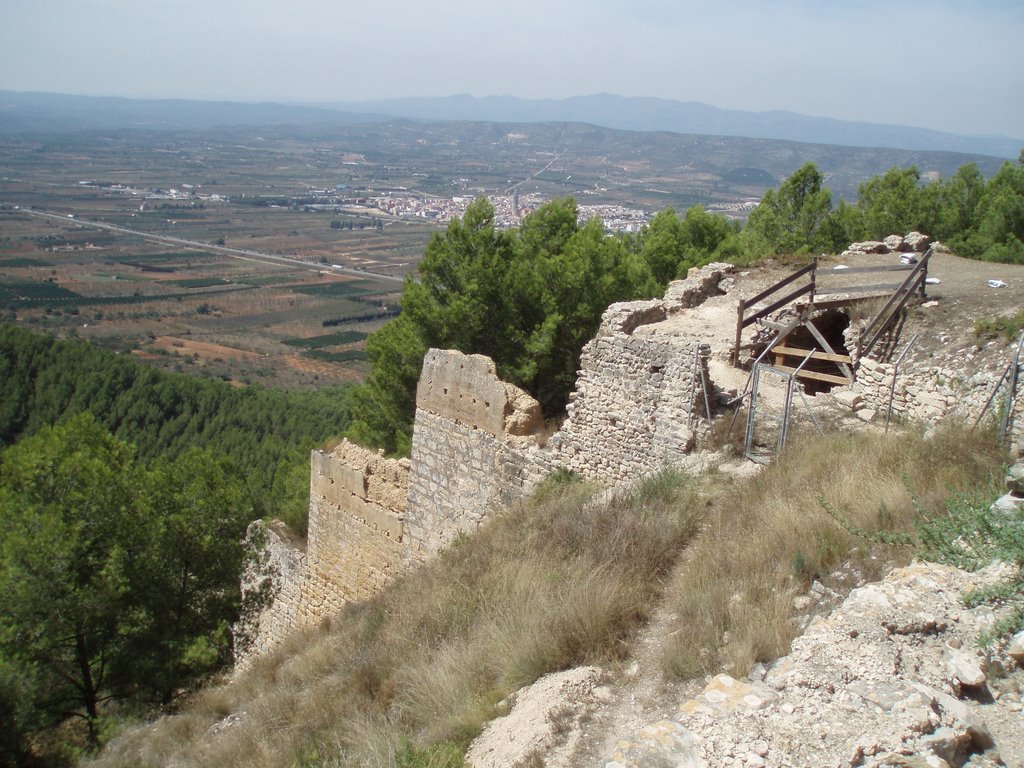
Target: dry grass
{"points": [[765, 541], [410, 677]]}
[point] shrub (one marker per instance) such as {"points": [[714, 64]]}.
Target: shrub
{"points": [[971, 534], [1007, 327]]}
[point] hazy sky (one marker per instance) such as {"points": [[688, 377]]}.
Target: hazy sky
{"points": [[952, 65]]}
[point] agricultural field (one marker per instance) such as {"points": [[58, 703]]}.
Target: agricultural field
{"points": [[249, 253], [185, 303]]}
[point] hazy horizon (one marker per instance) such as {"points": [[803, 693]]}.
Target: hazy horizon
{"points": [[955, 67]]}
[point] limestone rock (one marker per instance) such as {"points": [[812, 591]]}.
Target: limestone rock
{"points": [[665, 744], [911, 761], [1009, 504], [1015, 650], [965, 671], [917, 241], [863, 686], [545, 720], [848, 398], [1015, 479], [724, 694], [626, 316], [700, 284], [523, 415], [867, 246], [894, 243], [947, 744]]}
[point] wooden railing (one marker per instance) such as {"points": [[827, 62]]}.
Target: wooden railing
{"points": [[743, 319], [914, 283], [817, 288]]}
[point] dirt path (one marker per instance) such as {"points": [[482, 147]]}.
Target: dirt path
{"points": [[639, 695]]}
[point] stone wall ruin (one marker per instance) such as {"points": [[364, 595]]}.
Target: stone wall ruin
{"points": [[649, 385], [478, 446]]}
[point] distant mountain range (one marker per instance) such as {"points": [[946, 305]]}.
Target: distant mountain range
{"points": [[60, 113], [46, 112], [650, 114]]}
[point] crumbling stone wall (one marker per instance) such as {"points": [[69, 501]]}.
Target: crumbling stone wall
{"points": [[478, 447], [932, 394], [354, 546], [272, 586], [635, 402], [356, 506], [475, 449], [642, 393], [641, 400]]}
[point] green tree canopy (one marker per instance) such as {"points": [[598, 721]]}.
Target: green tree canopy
{"points": [[67, 546], [795, 219], [891, 204], [670, 245], [118, 580], [999, 234], [528, 298]]}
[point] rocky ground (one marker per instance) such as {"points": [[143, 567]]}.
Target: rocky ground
{"points": [[894, 676]]}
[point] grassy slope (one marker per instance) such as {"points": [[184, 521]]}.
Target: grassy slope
{"points": [[767, 539], [410, 677]]}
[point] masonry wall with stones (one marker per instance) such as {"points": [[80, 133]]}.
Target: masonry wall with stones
{"points": [[478, 446], [638, 401], [931, 394], [475, 449], [274, 580], [356, 507], [354, 547]]}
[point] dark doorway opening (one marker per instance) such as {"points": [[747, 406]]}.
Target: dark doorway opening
{"points": [[830, 325]]}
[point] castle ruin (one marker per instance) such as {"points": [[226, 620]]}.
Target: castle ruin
{"points": [[651, 383]]}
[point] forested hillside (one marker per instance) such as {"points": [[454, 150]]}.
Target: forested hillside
{"points": [[265, 434], [125, 493]]}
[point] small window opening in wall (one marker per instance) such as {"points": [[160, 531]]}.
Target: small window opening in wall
{"points": [[446, 390]]}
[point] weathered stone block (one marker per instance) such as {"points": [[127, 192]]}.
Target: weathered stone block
{"points": [[466, 389]]}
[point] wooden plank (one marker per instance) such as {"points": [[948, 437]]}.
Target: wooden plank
{"points": [[809, 288], [856, 289], [740, 308], [836, 303], [818, 355], [828, 348], [813, 375], [899, 297], [825, 273], [779, 285]]}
